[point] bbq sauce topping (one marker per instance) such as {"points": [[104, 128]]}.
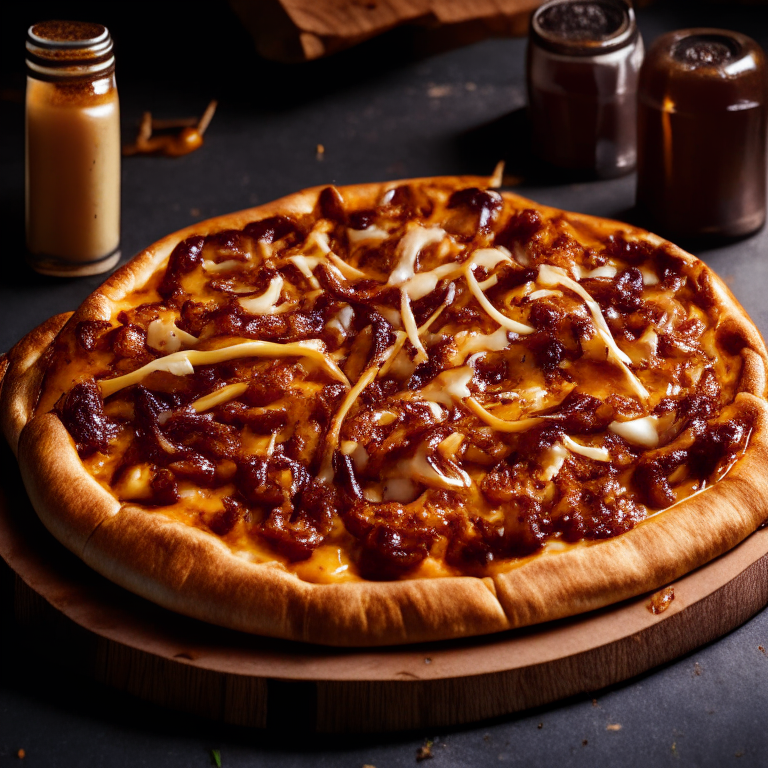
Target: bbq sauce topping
{"points": [[442, 384]]}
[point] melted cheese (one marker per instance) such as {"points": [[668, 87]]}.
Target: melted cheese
{"points": [[164, 336], [264, 304], [554, 458], [223, 266], [555, 276], [449, 386], [470, 342], [643, 432], [409, 248], [501, 425], [182, 363], [590, 452], [371, 233], [503, 320], [411, 329], [347, 270], [223, 395], [423, 469], [306, 265]]}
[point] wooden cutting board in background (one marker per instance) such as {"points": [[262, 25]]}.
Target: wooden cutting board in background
{"points": [[300, 30]]}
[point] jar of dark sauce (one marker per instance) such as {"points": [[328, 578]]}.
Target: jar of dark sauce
{"points": [[702, 134], [584, 57]]}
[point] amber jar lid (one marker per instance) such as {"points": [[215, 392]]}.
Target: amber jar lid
{"points": [[704, 70], [583, 27], [57, 49]]}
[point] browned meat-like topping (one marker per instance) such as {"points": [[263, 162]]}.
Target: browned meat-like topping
{"points": [[81, 411]]}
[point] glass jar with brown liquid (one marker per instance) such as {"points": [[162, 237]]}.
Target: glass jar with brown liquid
{"points": [[702, 134], [583, 62], [72, 149]]}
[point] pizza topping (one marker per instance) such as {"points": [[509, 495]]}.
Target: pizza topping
{"points": [[439, 378]]}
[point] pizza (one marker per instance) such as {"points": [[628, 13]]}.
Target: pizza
{"points": [[396, 412]]}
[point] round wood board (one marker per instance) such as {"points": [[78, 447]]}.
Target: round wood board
{"points": [[133, 645]]}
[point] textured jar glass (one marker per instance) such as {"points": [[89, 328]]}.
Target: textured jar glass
{"points": [[72, 149], [583, 63], [702, 134]]}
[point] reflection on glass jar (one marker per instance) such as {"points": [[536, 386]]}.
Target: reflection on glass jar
{"points": [[702, 134], [583, 62]]}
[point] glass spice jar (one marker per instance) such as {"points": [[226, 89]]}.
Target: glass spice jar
{"points": [[72, 149], [702, 134], [583, 62]]}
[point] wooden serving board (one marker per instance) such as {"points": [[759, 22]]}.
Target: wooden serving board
{"points": [[133, 645]]}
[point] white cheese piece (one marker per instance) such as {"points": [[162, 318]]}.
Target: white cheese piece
{"points": [[223, 266], [342, 320], [469, 342], [436, 410], [649, 276], [356, 451], [391, 315], [223, 395], [423, 283], [501, 425], [521, 255], [598, 454], [482, 299], [409, 322], [319, 240], [556, 276], [409, 247], [136, 483], [264, 304], [182, 363], [554, 458], [448, 387], [543, 293], [489, 258], [306, 265], [347, 270], [164, 336], [423, 469], [371, 233], [643, 431], [606, 271], [384, 418]]}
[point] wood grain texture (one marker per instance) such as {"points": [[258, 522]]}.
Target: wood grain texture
{"points": [[137, 647], [291, 30]]}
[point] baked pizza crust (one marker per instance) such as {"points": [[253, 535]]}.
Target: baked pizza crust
{"points": [[194, 573]]}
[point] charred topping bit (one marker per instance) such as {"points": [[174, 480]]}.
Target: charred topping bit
{"points": [[440, 381]]}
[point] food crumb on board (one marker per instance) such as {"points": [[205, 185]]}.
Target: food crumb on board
{"points": [[697, 669], [320, 151], [540, 726], [762, 650], [368, 765], [425, 752], [661, 600], [739, 754], [613, 727], [584, 742], [21, 754], [594, 703]]}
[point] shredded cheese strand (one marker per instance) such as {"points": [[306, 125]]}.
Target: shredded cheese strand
{"points": [[590, 452], [182, 363], [409, 323], [555, 276], [500, 425], [482, 299], [219, 396]]}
